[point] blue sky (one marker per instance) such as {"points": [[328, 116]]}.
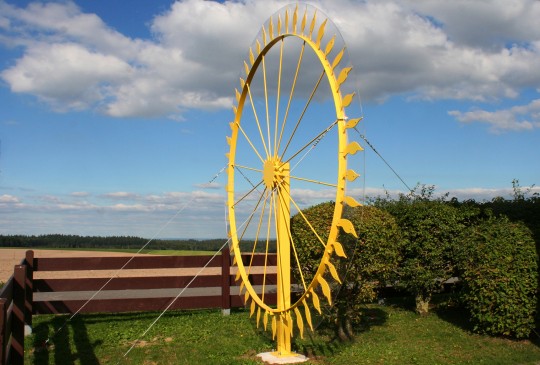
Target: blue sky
{"points": [[113, 114]]}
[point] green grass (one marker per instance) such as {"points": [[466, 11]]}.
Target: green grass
{"points": [[388, 335]]}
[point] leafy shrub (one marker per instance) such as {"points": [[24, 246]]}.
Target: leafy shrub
{"points": [[498, 264], [371, 261], [429, 228]]}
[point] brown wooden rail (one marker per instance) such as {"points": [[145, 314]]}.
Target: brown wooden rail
{"points": [[23, 295]]}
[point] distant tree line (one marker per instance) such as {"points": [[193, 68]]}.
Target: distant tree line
{"points": [[116, 242]]}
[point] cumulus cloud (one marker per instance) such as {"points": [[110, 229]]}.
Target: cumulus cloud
{"points": [[8, 199], [429, 50], [517, 118]]}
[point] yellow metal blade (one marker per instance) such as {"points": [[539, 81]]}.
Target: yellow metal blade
{"points": [[258, 316], [246, 297], [228, 140], [251, 56], [241, 287], [321, 33], [338, 248], [351, 175], [347, 226], [329, 46], [252, 309], [234, 110], [312, 26], [338, 58], [237, 277], [343, 75], [258, 47], [299, 322], [237, 94], [274, 327], [279, 24], [295, 19], [265, 320], [352, 148], [242, 82], [351, 202], [325, 289], [348, 99], [351, 123], [316, 301], [308, 315], [264, 35], [290, 322], [271, 28], [332, 270], [303, 25], [246, 68], [287, 21]]}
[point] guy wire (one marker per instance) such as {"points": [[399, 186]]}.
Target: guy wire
{"points": [[383, 159], [115, 275]]}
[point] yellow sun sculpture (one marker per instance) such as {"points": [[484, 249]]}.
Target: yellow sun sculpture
{"points": [[271, 143]]}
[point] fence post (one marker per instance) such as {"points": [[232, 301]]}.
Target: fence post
{"points": [[17, 320], [3, 323], [29, 288], [226, 280]]}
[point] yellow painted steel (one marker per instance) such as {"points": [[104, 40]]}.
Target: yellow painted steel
{"points": [[276, 176]]}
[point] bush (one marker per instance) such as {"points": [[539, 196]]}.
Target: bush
{"points": [[429, 228], [498, 266], [371, 261]]}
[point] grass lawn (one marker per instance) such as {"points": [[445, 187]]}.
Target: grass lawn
{"points": [[389, 335]]}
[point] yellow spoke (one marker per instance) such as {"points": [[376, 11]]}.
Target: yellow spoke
{"points": [[257, 119], [304, 111], [307, 222], [300, 57], [295, 252], [314, 140], [278, 95], [266, 103], [248, 193], [249, 141], [269, 224], [248, 168], [314, 181], [248, 221], [257, 235]]}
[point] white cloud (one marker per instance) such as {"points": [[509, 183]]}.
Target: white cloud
{"points": [[50, 71], [434, 50], [9, 199], [517, 118]]}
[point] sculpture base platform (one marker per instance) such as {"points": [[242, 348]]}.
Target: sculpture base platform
{"points": [[273, 358]]}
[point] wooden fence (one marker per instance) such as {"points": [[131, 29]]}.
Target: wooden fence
{"points": [[23, 295]]}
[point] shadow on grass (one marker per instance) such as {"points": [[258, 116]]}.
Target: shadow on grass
{"points": [[326, 342], [65, 351]]}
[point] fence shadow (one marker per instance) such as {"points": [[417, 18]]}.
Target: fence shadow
{"points": [[69, 343]]}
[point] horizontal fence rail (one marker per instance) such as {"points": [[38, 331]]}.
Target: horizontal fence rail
{"points": [[215, 287], [33, 289]]}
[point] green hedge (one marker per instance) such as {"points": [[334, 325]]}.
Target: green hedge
{"points": [[372, 259], [498, 266]]}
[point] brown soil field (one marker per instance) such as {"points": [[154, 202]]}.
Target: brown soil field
{"points": [[9, 257]]}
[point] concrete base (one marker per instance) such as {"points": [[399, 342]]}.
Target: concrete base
{"points": [[274, 358]]}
